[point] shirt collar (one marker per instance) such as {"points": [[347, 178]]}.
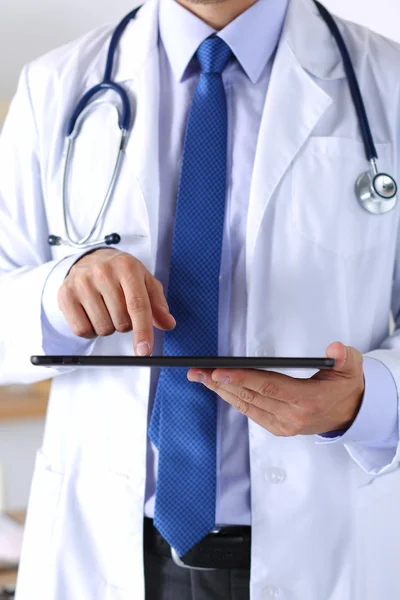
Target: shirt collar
{"points": [[252, 36]]}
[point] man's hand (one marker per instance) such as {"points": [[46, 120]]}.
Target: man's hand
{"points": [[107, 291], [287, 406]]}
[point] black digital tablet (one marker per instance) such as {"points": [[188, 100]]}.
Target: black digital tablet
{"points": [[205, 362]]}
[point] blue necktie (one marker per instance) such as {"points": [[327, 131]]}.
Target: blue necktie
{"points": [[183, 424]]}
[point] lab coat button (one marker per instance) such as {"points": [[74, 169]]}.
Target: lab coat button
{"points": [[261, 352], [275, 475], [271, 591]]}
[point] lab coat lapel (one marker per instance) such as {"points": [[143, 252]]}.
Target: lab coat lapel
{"points": [[139, 65], [294, 105], [142, 150]]}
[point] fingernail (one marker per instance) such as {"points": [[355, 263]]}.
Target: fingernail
{"points": [[198, 377], [221, 379], [165, 310], [142, 348]]}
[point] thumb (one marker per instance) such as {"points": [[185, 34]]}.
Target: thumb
{"points": [[348, 359]]}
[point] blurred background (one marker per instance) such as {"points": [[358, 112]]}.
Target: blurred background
{"points": [[28, 29]]}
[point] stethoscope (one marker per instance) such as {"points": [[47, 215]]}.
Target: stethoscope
{"points": [[375, 191]]}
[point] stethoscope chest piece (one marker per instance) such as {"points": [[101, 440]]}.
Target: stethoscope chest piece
{"points": [[376, 192]]}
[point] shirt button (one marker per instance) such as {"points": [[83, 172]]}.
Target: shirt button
{"points": [[271, 591], [275, 475]]}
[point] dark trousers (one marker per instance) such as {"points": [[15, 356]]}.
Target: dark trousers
{"points": [[166, 581]]}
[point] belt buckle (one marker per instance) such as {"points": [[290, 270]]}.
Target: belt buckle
{"points": [[179, 562]]}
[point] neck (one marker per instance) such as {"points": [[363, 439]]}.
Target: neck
{"points": [[217, 13]]}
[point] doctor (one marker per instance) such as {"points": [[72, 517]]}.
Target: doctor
{"points": [[240, 234]]}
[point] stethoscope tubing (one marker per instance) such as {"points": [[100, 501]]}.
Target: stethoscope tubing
{"points": [[370, 150], [124, 123], [107, 83], [106, 201]]}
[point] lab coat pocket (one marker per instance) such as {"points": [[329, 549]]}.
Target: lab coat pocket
{"points": [[105, 530], [38, 551], [325, 207]]}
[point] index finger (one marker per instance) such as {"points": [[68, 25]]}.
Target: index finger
{"points": [[139, 310]]}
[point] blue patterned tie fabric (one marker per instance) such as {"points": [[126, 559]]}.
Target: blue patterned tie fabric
{"points": [[184, 418]]}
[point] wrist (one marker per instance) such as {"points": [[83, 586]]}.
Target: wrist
{"points": [[351, 409], [92, 256]]}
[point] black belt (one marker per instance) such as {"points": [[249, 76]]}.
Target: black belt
{"points": [[223, 548]]}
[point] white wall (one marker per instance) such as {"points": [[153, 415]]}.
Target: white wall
{"points": [[29, 28]]}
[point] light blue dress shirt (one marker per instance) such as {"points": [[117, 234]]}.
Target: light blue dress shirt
{"points": [[253, 38]]}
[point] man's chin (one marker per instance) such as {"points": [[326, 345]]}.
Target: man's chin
{"points": [[205, 2]]}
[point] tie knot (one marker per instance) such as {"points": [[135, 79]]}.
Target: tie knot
{"points": [[213, 55]]}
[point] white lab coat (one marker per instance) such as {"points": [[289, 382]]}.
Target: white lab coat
{"points": [[318, 269]]}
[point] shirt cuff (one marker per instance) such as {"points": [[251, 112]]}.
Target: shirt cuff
{"points": [[376, 423]]}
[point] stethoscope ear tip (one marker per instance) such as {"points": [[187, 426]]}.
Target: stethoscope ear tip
{"points": [[54, 240], [113, 238]]}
